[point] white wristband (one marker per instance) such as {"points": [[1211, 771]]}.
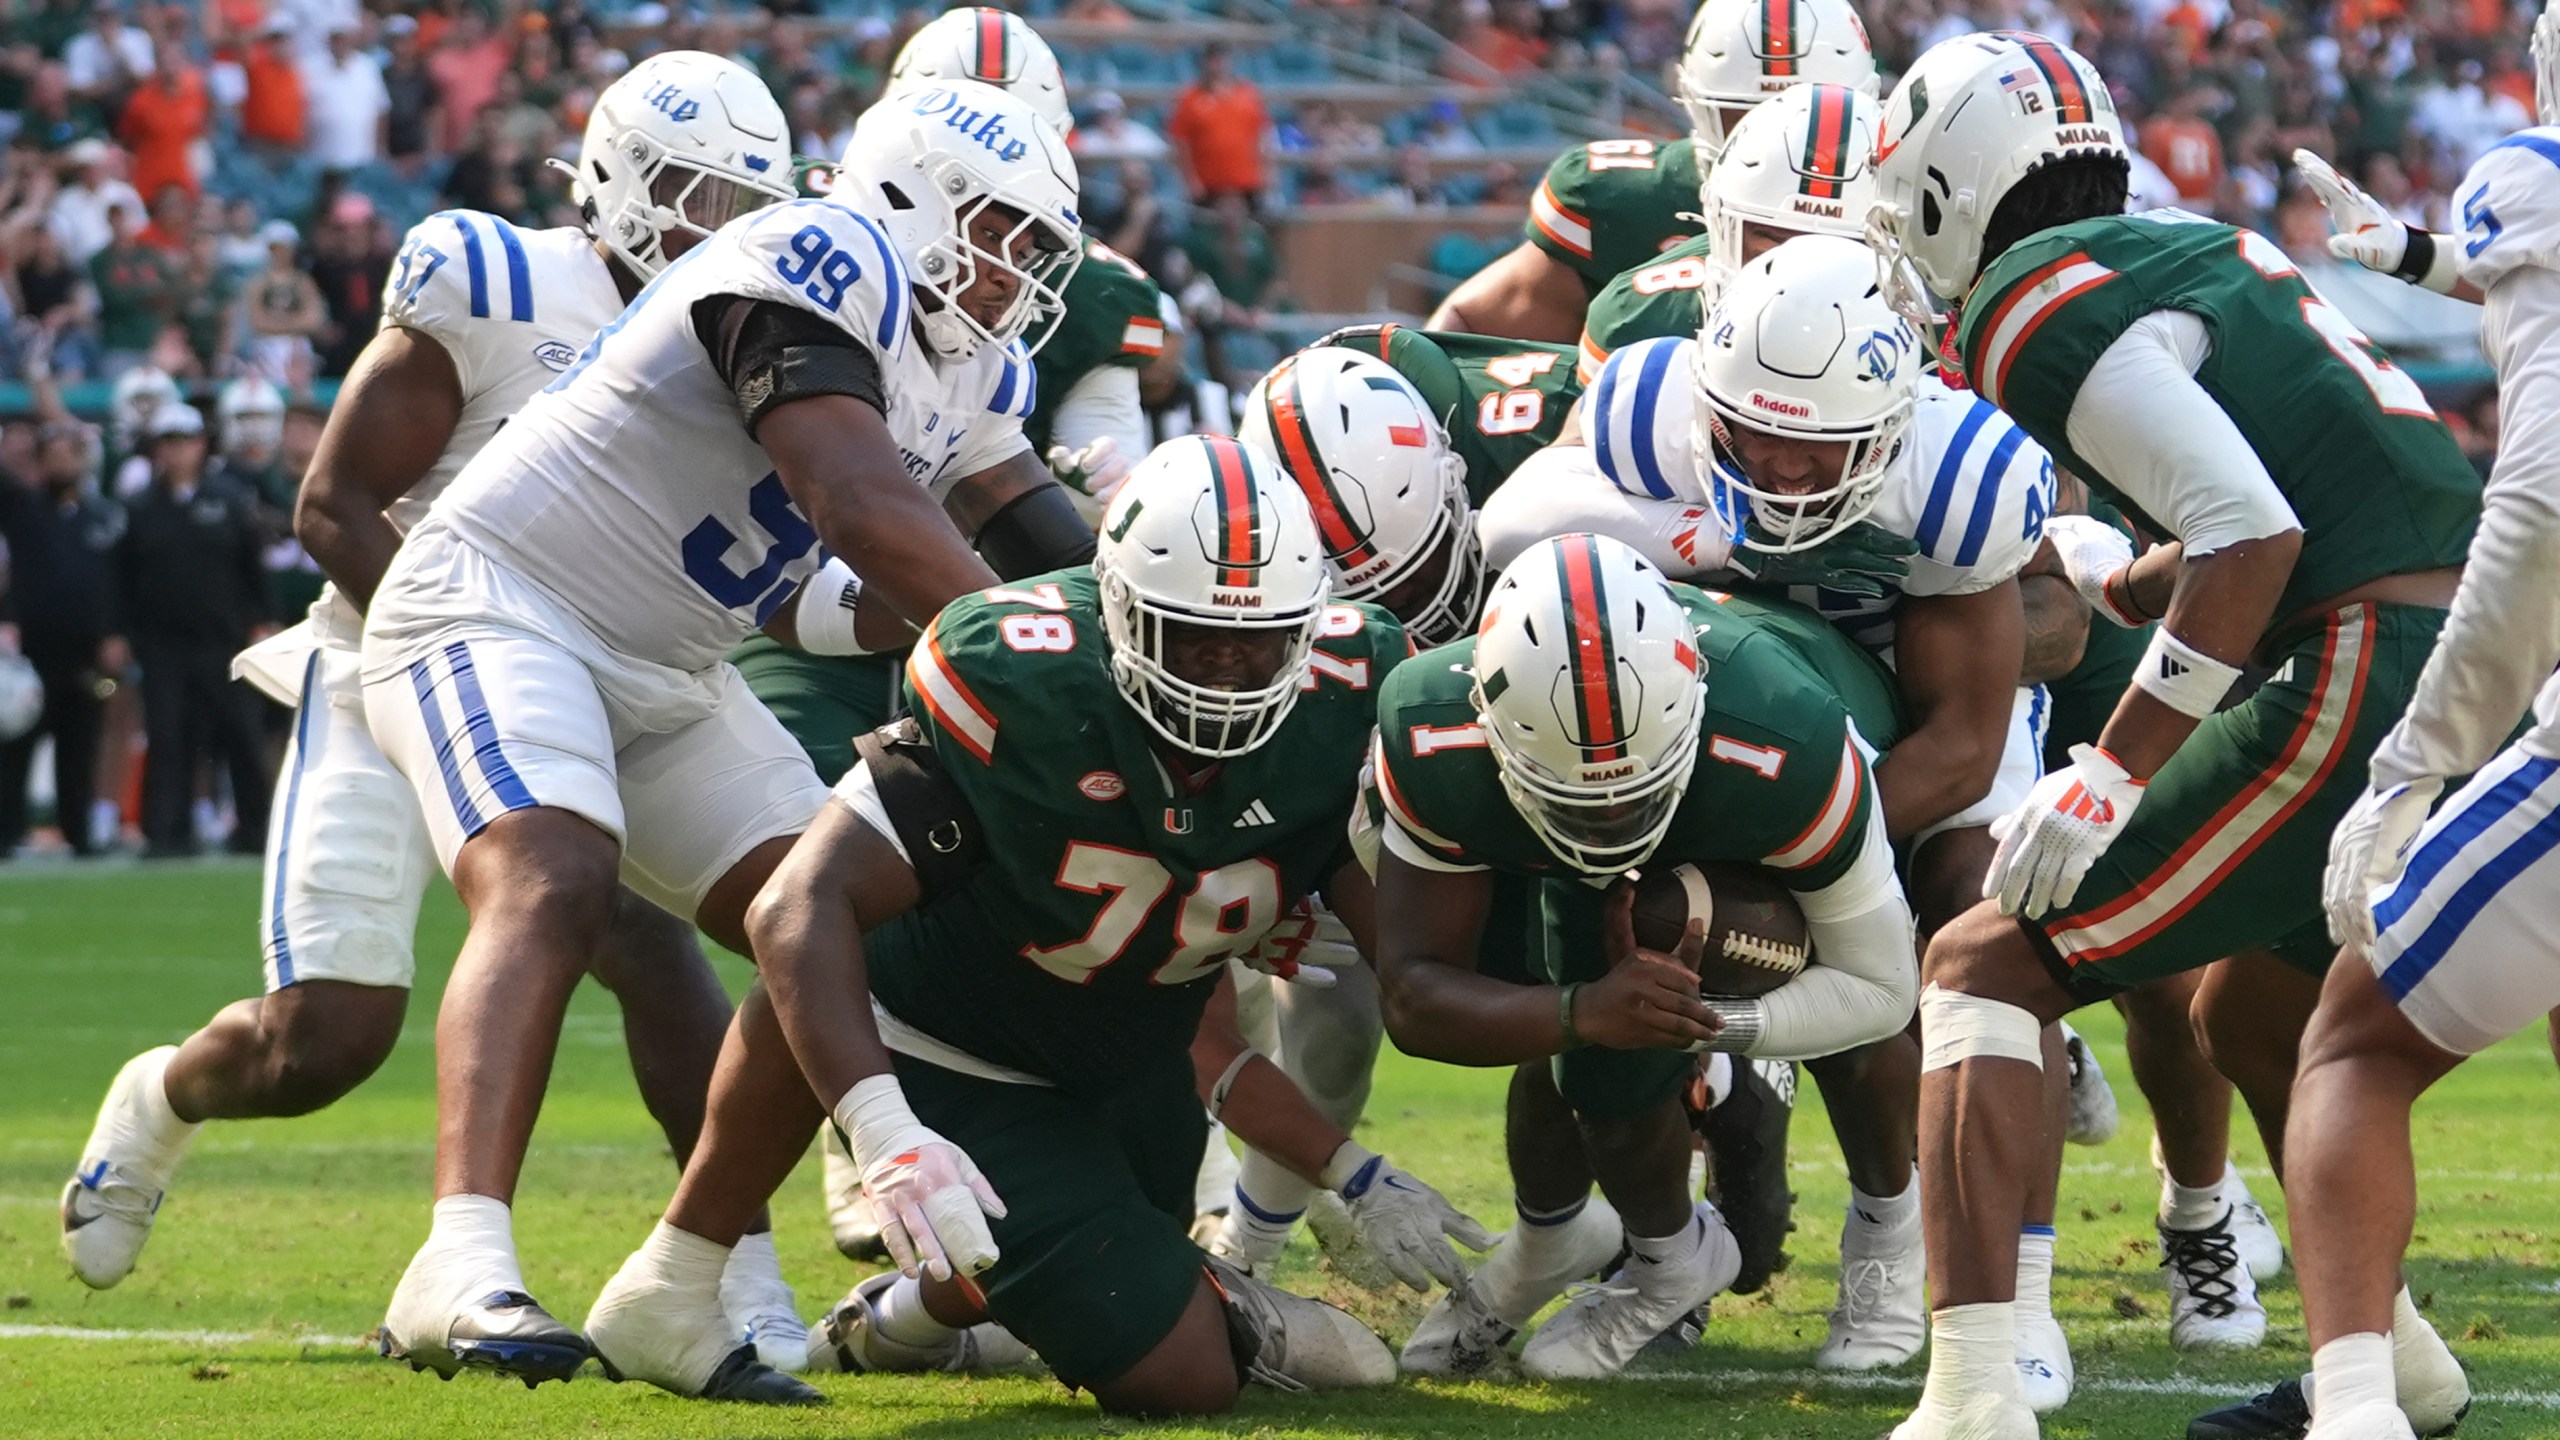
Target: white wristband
{"points": [[1344, 1166], [875, 1107], [2182, 677], [825, 608]]}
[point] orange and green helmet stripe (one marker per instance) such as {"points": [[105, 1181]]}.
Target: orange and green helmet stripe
{"points": [[1826, 147], [1239, 522], [995, 45], [2070, 96], [1594, 680], [1781, 33], [1295, 433]]}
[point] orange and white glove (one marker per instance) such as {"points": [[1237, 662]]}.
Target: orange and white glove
{"points": [[2048, 844]]}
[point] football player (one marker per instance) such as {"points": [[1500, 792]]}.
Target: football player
{"points": [[542, 661], [994, 952], [1798, 418], [1571, 740], [1606, 207], [2447, 946], [478, 317], [2317, 511]]}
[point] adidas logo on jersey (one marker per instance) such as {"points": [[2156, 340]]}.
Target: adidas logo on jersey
{"points": [[1255, 814]]}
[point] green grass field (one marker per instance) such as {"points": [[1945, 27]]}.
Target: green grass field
{"points": [[281, 1241]]}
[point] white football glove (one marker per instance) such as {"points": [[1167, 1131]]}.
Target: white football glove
{"points": [[1405, 1221], [1097, 469], [2367, 850], [2367, 234], [931, 1201], [1290, 948], [2093, 553], [2048, 844]]}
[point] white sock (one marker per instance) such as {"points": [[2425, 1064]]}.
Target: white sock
{"points": [[1675, 1248], [2184, 1207], [1973, 1350], [1719, 1075], [480, 1223], [753, 1265], [2417, 1351], [682, 1260], [2035, 1270], [164, 1129], [1276, 1196], [2352, 1370], [1885, 1212], [904, 1319]]}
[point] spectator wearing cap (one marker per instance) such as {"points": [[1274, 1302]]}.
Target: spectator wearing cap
{"points": [[272, 109], [163, 121], [411, 123], [1220, 129], [61, 537], [108, 58], [137, 293], [347, 103], [1109, 134], [466, 67], [83, 212], [191, 588], [286, 315]]}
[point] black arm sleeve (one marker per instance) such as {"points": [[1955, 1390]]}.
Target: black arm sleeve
{"points": [[934, 821], [771, 354], [1037, 531]]}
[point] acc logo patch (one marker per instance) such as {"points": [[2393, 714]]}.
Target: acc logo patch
{"points": [[1102, 785], [555, 354]]}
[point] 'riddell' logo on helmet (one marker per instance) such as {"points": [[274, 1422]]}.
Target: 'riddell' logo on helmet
{"points": [[987, 129], [1779, 405]]}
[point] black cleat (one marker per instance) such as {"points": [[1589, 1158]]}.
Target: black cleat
{"points": [[749, 1381], [1746, 1140], [507, 1333], [2278, 1414]]}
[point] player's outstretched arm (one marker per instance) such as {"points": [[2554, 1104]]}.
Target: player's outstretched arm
{"points": [[1957, 659], [393, 416], [1526, 295], [1865, 981], [841, 466]]}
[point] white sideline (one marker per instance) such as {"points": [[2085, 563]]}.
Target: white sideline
{"points": [[183, 1337]]}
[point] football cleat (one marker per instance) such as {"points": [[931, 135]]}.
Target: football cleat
{"points": [[2045, 1370], [1289, 1342], [1983, 1417], [115, 1195], [2284, 1413], [1881, 1317], [850, 1222], [2213, 1304], [2261, 1247], [678, 1339], [504, 1332], [2094, 1116], [760, 1306], [1604, 1326], [849, 1341], [1746, 1140], [1462, 1335], [2373, 1421]]}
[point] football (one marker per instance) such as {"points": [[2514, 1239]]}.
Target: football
{"points": [[1756, 935]]}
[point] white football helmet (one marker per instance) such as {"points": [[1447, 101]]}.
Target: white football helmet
{"points": [[1388, 494], [1741, 52], [1971, 119], [1803, 345], [1207, 534], [927, 162], [251, 413], [1587, 686], [137, 393], [21, 697], [2546, 65], [991, 46], [1798, 164], [684, 141]]}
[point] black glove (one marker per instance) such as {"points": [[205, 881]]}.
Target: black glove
{"points": [[1860, 560]]}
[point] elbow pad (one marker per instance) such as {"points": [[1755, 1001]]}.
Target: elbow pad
{"points": [[771, 354], [1037, 531]]}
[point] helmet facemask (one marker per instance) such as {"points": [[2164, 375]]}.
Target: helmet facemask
{"points": [[684, 197], [991, 240], [2546, 66], [1200, 719]]}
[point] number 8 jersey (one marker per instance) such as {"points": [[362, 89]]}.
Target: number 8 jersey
{"points": [[631, 489]]}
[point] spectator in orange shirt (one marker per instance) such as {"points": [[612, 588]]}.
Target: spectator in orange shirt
{"points": [[272, 110], [1218, 130], [466, 69], [162, 121], [2186, 147]]}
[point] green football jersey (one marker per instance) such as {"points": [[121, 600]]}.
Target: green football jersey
{"points": [[1113, 890], [1663, 299], [1782, 778], [1500, 400], [2379, 484], [1111, 319], [1609, 206]]}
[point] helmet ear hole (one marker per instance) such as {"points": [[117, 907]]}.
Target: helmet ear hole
{"points": [[1929, 213], [896, 197]]}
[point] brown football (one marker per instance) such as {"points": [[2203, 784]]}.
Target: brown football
{"points": [[1756, 936]]}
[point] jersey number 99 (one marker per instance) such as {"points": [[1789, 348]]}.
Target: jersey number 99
{"points": [[822, 271]]}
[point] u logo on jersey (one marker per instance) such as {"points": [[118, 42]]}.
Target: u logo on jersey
{"points": [[670, 101]]}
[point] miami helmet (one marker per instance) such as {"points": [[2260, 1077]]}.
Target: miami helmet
{"points": [[1741, 52], [1797, 164], [993, 47], [251, 413]]}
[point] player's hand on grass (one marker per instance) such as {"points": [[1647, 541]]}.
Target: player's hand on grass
{"points": [[2367, 234], [1648, 1000], [931, 1201], [2094, 555], [1862, 559], [2368, 849], [2048, 843], [1408, 1223]]}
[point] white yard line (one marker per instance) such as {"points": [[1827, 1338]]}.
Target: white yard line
{"points": [[182, 1337]]}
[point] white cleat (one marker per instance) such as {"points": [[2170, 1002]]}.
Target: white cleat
{"points": [[1882, 1316], [2045, 1371], [1461, 1337], [677, 1337], [2261, 1248], [2213, 1304], [760, 1306], [2094, 1116], [1604, 1326], [849, 1341], [850, 1222], [1984, 1417], [1288, 1342], [458, 1309], [2362, 1422], [125, 1169]]}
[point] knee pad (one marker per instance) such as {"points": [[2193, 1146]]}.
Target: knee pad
{"points": [[1956, 1027]]}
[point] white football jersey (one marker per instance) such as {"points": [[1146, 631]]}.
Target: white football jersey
{"points": [[1966, 484], [512, 307], [631, 489], [2509, 207]]}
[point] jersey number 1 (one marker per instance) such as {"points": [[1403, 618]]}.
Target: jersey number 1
{"points": [[2392, 388], [1227, 910]]}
